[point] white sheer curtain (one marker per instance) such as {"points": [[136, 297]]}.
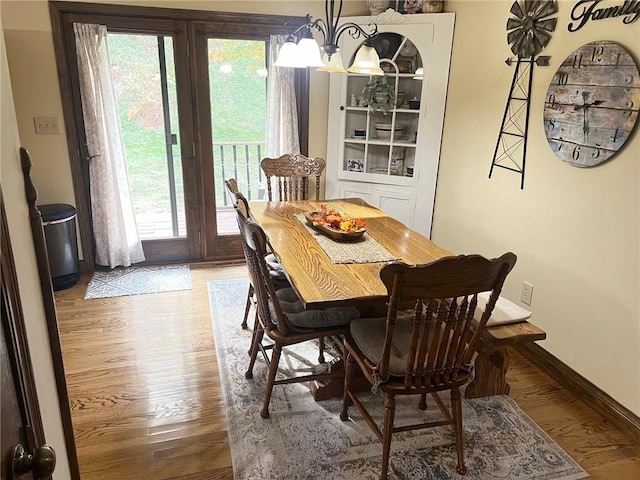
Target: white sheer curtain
{"points": [[114, 226], [282, 112]]}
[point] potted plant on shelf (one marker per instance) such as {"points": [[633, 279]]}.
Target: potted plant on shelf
{"points": [[380, 95]]}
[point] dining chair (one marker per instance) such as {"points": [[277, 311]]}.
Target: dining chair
{"points": [[282, 317], [426, 342], [291, 174], [235, 195], [280, 280]]}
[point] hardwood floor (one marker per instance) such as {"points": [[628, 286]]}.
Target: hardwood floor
{"points": [[146, 401]]}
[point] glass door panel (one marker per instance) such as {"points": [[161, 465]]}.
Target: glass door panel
{"points": [[237, 75], [144, 79]]}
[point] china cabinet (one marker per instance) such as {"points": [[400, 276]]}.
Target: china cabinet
{"points": [[385, 132]]}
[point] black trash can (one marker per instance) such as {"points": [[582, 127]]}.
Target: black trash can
{"points": [[62, 246]]}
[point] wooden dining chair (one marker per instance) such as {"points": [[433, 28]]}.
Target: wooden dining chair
{"points": [[282, 317], [426, 342], [291, 175], [241, 203], [235, 195]]}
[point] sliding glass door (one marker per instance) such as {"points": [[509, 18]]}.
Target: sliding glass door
{"points": [[191, 97]]}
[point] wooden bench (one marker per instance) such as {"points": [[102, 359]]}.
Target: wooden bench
{"points": [[492, 361]]}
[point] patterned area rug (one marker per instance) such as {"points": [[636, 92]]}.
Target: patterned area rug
{"points": [[305, 439], [138, 280]]}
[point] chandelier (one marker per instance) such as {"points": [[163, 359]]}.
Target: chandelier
{"points": [[306, 53]]}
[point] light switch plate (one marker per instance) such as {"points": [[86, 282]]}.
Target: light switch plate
{"points": [[46, 125], [527, 293]]}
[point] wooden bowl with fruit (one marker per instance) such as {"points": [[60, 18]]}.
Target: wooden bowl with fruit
{"points": [[336, 225]]}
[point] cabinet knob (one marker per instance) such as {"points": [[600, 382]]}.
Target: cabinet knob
{"points": [[341, 107]]}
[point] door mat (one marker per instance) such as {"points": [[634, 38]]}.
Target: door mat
{"points": [[120, 282]]}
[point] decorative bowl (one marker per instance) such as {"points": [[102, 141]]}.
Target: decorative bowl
{"points": [[383, 130], [333, 233]]}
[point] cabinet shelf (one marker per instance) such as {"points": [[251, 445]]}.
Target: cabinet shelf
{"points": [[380, 178]]}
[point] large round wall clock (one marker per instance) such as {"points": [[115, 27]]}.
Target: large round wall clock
{"points": [[592, 104]]}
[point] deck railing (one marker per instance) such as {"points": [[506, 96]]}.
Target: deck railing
{"points": [[239, 160]]}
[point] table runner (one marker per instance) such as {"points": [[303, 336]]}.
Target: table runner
{"points": [[367, 250]]}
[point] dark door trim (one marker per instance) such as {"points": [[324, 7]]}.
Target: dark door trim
{"points": [[17, 346], [49, 304]]}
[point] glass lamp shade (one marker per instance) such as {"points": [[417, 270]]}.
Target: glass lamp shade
{"points": [[309, 53], [332, 65], [289, 56], [366, 61]]}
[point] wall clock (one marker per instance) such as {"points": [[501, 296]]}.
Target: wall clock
{"points": [[592, 104]]}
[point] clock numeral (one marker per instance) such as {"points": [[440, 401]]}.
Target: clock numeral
{"points": [[551, 125], [629, 105], [562, 78], [598, 51], [614, 137], [576, 152], [596, 151], [552, 98], [577, 61]]}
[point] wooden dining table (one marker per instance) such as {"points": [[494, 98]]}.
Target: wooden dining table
{"points": [[317, 280], [320, 283]]}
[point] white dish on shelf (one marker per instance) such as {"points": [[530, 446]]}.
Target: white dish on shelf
{"points": [[383, 130]]}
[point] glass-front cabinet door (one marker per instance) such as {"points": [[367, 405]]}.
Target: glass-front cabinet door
{"points": [[385, 131], [381, 118]]}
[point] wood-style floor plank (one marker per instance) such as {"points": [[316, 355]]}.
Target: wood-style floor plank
{"points": [[145, 392]]}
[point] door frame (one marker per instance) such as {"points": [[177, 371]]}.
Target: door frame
{"points": [[16, 334], [17, 346], [198, 205]]}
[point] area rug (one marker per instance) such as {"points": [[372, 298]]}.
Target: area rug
{"points": [[304, 439], [138, 280]]}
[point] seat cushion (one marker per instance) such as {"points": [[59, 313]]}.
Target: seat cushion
{"points": [[297, 315], [368, 334], [273, 263]]}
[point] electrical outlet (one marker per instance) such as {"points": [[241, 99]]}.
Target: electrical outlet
{"points": [[46, 125], [527, 293]]}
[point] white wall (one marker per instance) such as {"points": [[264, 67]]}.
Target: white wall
{"points": [[576, 231], [15, 203]]}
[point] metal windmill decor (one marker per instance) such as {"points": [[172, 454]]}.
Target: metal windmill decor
{"points": [[528, 32]]}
